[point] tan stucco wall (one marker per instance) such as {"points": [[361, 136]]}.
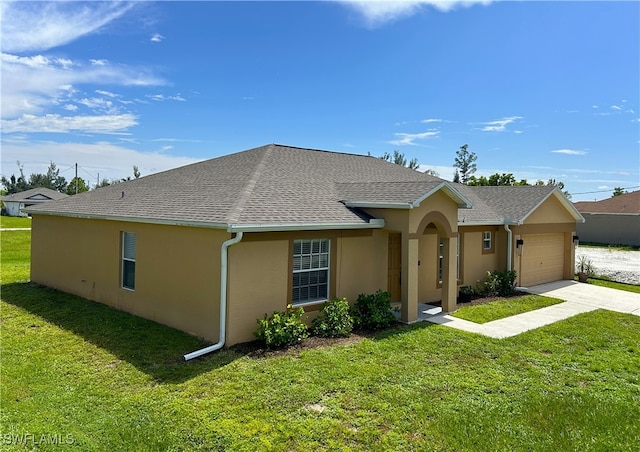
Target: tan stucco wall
{"points": [[418, 224], [177, 268], [476, 263], [260, 274], [550, 211]]}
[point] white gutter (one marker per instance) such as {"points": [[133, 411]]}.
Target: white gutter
{"points": [[374, 223], [196, 224], [223, 300], [509, 246]]}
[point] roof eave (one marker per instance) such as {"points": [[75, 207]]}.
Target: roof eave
{"points": [[462, 201], [575, 213], [374, 223], [378, 205], [162, 221]]}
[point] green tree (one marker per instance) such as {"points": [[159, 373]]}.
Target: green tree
{"points": [[465, 162], [81, 186], [136, 174], [15, 184], [618, 191], [399, 159], [104, 183], [56, 181], [495, 180]]}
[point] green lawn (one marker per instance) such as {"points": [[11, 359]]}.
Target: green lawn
{"points": [[117, 382], [14, 222], [614, 285], [499, 309]]}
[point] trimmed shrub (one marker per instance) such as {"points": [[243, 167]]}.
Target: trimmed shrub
{"points": [[373, 312], [334, 319], [282, 328], [498, 283]]}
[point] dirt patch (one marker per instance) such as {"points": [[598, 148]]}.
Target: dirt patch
{"points": [[618, 265]]}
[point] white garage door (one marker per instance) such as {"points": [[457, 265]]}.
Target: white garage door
{"points": [[542, 259]]}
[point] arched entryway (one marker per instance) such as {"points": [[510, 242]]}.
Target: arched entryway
{"points": [[411, 258]]}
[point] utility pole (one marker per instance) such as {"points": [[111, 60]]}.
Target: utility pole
{"points": [[76, 178]]}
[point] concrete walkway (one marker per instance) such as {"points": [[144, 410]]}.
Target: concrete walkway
{"points": [[15, 229], [579, 298]]}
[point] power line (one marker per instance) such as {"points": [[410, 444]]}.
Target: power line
{"points": [[604, 191]]}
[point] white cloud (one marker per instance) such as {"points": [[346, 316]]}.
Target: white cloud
{"points": [[569, 152], [38, 26], [616, 107], [376, 12], [99, 104], [429, 121], [106, 93], [162, 97], [405, 139], [70, 107], [32, 84], [53, 123], [101, 62], [108, 159], [156, 37], [499, 125]]}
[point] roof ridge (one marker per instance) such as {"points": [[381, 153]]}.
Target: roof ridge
{"points": [[238, 207]]}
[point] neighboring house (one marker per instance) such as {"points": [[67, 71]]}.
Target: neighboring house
{"points": [[210, 247], [16, 202], [614, 221]]}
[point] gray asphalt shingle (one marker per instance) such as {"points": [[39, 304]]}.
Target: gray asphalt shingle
{"points": [[276, 184]]}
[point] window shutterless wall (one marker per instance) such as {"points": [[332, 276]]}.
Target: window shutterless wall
{"points": [[177, 270]]}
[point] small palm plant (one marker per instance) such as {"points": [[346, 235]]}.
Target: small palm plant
{"points": [[584, 268]]}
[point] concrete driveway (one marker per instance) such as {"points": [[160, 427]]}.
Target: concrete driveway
{"points": [[590, 295], [579, 298]]}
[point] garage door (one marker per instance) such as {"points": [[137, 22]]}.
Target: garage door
{"points": [[542, 259]]}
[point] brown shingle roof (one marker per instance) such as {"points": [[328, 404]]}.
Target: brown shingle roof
{"points": [[286, 186], [272, 184], [625, 203], [499, 204]]}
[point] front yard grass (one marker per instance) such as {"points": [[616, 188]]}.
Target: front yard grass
{"points": [[14, 222], [614, 285], [114, 382], [505, 307]]}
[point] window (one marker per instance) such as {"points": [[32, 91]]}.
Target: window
{"points": [[441, 259], [487, 242], [310, 271], [128, 260]]}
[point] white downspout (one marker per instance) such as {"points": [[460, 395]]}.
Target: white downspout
{"points": [[509, 246], [223, 300]]}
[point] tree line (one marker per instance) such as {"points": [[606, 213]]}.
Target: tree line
{"points": [[54, 181], [465, 167]]}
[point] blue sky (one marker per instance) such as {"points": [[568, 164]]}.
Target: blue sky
{"points": [[538, 89]]}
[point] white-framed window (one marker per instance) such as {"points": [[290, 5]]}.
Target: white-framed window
{"points": [[310, 271], [129, 260], [487, 241], [441, 259]]}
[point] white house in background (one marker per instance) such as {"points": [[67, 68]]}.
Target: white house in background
{"points": [[16, 202]]}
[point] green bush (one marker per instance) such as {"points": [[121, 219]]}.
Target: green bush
{"points": [[372, 312], [497, 283], [334, 319], [282, 328]]}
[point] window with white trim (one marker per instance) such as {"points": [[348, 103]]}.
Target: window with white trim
{"points": [[129, 260], [487, 242], [310, 271]]}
